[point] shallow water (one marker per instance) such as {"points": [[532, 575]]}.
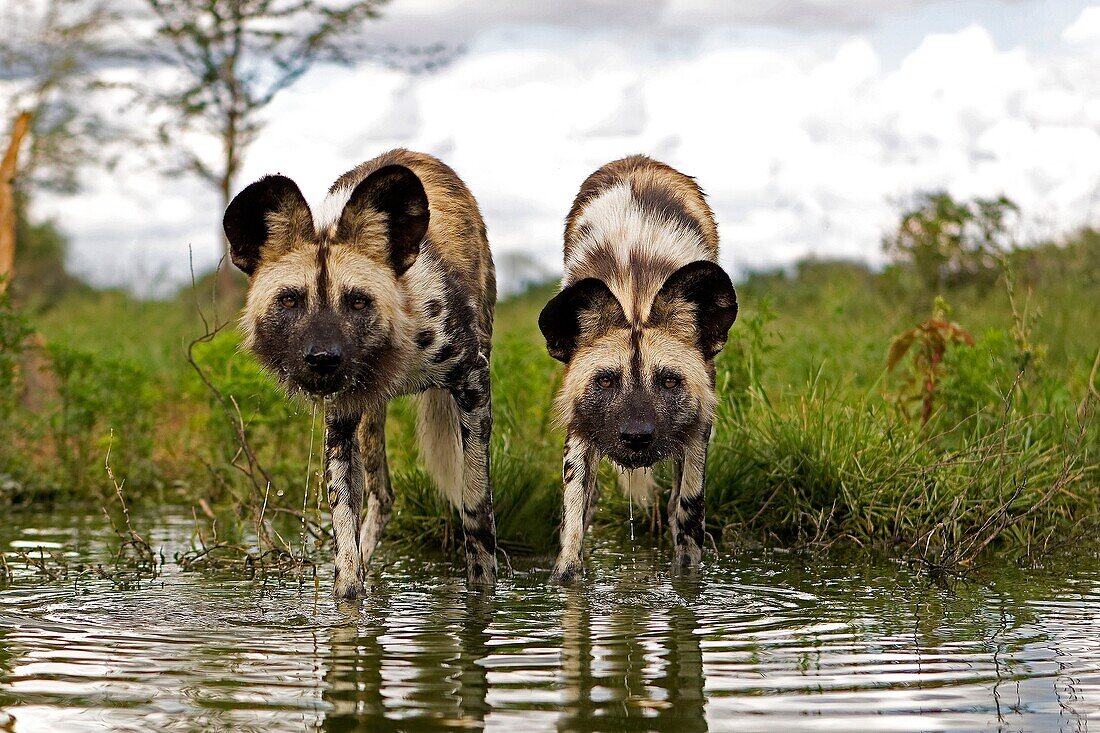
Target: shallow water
{"points": [[760, 641]]}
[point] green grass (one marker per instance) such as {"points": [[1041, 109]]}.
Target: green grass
{"points": [[812, 443]]}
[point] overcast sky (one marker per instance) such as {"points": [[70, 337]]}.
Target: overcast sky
{"points": [[804, 121]]}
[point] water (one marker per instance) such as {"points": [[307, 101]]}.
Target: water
{"points": [[761, 641]]}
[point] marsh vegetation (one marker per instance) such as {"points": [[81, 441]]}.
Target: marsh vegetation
{"points": [[891, 410]]}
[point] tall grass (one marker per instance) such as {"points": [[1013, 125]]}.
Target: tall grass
{"points": [[810, 445]]}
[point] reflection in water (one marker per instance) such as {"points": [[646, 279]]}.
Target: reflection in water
{"points": [[384, 668], [353, 675], [631, 662], [760, 641]]}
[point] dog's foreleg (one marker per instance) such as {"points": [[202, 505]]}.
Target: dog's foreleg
{"points": [[475, 412], [344, 469], [685, 506], [579, 467]]}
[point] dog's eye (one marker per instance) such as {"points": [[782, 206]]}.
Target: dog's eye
{"points": [[359, 302], [288, 301], [605, 381], [670, 382]]}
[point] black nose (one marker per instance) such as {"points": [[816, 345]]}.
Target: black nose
{"points": [[323, 359], [637, 434]]}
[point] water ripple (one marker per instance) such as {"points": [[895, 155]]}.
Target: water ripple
{"points": [[761, 641]]}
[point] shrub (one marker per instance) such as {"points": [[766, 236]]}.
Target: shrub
{"points": [[13, 331], [241, 398], [103, 402], [927, 345], [951, 243]]}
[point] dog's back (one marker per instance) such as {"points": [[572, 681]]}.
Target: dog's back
{"points": [[643, 310], [634, 222]]}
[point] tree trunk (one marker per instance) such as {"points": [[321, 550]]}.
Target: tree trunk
{"points": [[8, 169], [228, 280]]}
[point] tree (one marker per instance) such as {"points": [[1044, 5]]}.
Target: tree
{"points": [[951, 243], [49, 53], [9, 165], [234, 57]]}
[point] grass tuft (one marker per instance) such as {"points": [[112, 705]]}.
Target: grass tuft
{"points": [[969, 448]]}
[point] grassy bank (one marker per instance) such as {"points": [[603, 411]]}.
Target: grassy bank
{"points": [[991, 446]]}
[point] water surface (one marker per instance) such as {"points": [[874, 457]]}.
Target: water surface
{"points": [[762, 640]]}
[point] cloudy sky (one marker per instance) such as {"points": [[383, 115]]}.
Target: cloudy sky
{"points": [[804, 121]]}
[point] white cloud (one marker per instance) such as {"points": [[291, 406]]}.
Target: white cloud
{"points": [[803, 14], [1086, 28], [464, 20], [801, 149]]}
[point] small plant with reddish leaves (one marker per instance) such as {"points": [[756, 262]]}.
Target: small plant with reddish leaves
{"points": [[927, 344]]}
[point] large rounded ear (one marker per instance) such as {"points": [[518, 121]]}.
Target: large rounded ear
{"points": [[585, 308], [263, 219], [699, 296], [395, 191]]}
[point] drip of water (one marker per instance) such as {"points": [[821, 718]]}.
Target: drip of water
{"points": [[630, 502], [309, 475]]}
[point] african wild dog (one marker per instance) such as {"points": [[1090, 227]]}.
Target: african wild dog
{"points": [[644, 308], [390, 290]]}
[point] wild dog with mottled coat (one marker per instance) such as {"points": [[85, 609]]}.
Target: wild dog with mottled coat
{"points": [[643, 310], [388, 290]]}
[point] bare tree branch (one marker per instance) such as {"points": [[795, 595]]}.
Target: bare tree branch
{"points": [[50, 53], [235, 56]]}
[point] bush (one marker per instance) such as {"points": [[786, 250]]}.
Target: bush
{"points": [[239, 396], [951, 243], [13, 331], [103, 403], [819, 468], [41, 250]]}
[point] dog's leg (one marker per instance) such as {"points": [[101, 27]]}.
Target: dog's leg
{"points": [[579, 468], [344, 468], [685, 506], [372, 442], [475, 413]]}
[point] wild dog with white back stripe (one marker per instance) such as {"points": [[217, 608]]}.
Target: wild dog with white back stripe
{"points": [[389, 290], [644, 309]]}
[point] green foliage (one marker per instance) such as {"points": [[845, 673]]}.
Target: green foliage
{"points": [[821, 468], [103, 402], [927, 345], [13, 331], [807, 447], [239, 396], [41, 279], [744, 361], [977, 380], [951, 243], [241, 379]]}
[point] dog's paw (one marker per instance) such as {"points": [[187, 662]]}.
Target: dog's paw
{"points": [[481, 570], [686, 560], [347, 585], [567, 572]]}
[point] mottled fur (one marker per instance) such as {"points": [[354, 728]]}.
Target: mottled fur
{"points": [[643, 310], [389, 290]]}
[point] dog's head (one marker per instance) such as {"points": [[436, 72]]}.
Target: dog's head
{"points": [[325, 309], [636, 391]]}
